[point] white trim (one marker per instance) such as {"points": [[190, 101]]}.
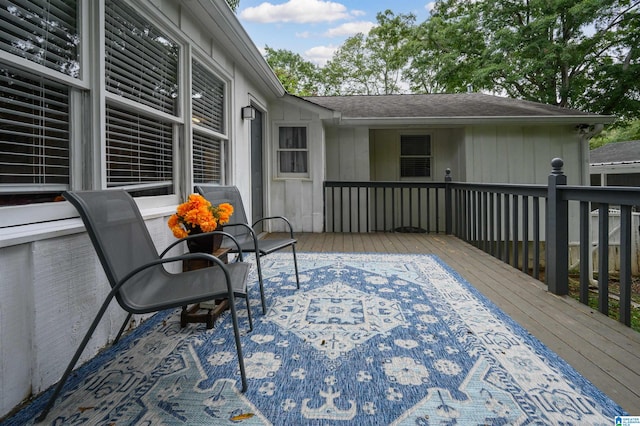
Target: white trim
{"points": [[385, 122], [16, 235], [276, 145]]}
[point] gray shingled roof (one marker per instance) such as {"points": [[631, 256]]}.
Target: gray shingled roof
{"points": [[618, 152], [440, 105]]}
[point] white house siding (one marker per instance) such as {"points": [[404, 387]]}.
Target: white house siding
{"points": [[52, 283], [299, 199], [521, 154]]}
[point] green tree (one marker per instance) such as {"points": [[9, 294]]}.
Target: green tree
{"points": [[371, 64], [233, 4], [297, 75], [572, 53]]}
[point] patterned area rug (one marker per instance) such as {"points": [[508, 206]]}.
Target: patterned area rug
{"points": [[369, 339]]}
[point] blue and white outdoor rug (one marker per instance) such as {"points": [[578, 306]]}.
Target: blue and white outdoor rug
{"points": [[369, 339]]}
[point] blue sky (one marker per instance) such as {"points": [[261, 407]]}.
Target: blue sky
{"points": [[315, 28]]}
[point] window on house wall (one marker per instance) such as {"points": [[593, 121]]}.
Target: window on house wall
{"points": [[141, 70], [34, 105], [208, 118], [139, 152], [44, 32], [207, 160], [293, 152], [415, 156]]}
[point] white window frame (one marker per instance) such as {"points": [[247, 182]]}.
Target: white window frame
{"points": [[222, 137], [289, 175], [430, 157], [11, 216]]}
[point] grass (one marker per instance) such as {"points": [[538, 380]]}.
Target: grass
{"points": [[614, 304]]}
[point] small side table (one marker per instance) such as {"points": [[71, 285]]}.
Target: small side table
{"points": [[205, 312]]}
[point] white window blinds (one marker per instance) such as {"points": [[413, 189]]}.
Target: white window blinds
{"points": [[42, 31], [207, 99], [34, 133], [207, 159], [141, 63], [139, 150]]}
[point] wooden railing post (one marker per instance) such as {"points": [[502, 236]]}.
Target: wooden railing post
{"points": [[448, 207], [557, 232]]}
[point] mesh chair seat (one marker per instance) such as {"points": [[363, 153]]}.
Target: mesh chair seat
{"points": [[177, 290]]}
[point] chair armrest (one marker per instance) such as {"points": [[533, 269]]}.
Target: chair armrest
{"points": [[249, 229], [204, 256], [274, 218], [189, 237]]}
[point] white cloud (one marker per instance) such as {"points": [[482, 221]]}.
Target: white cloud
{"points": [[319, 55], [429, 6], [350, 28], [297, 11]]}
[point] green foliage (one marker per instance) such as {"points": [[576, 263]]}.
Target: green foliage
{"points": [[620, 132], [233, 4], [371, 64], [298, 76], [572, 53]]}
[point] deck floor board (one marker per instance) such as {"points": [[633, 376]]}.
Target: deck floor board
{"points": [[601, 349]]}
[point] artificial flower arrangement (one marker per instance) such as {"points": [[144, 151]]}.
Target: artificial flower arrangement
{"points": [[197, 215]]}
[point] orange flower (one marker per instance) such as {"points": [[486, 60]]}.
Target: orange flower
{"points": [[197, 213]]}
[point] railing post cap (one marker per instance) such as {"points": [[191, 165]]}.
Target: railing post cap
{"points": [[556, 165]]}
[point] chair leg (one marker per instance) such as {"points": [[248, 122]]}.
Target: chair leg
{"points": [[75, 358], [246, 299], [124, 325], [264, 305], [236, 332], [295, 264]]}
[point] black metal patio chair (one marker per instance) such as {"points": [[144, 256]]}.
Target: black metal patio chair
{"points": [[239, 227], [136, 272]]}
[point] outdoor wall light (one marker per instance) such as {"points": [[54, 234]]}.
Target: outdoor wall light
{"points": [[248, 113]]}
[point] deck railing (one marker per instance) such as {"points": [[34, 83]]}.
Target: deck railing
{"points": [[527, 226]]}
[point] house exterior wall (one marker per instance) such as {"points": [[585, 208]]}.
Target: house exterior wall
{"points": [[299, 199], [52, 283], [446, 144], [521, 154]]}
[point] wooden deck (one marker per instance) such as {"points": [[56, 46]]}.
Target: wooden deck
{"points": [[601, 349]]}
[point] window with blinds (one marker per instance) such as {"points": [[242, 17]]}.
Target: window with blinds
{"points": [[207, 99], [415, 156], [139, 151], [207, 159], [293, 151], [141, 63], [34, 138], [42, 31]]}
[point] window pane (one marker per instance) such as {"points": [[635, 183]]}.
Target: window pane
{"points": [[139, 150], [207, 160], [34, 136], [415, 145], [293, 161], [293, 137], [415, 167], [141, 63], [42, 31], [415, 156], [207, 98]]}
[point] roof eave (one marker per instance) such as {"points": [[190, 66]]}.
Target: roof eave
{"points": [[485, 120]]}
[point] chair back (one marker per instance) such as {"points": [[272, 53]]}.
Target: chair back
{"points": [[119, 235], [229, 194]]}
